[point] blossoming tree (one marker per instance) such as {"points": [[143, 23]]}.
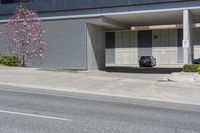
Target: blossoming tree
{"points": [[25, 36]]}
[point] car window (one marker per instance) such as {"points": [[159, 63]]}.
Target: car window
{"points": [[145, 57]]}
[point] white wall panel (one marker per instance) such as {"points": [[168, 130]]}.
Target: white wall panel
{"points": [[196, 39], [126, 51], [165, 46]]}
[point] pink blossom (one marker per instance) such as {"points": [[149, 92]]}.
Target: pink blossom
{"points": [[25, 35]]}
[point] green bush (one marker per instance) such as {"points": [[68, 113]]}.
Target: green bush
{"points": [[9, 60], [192, 68]]}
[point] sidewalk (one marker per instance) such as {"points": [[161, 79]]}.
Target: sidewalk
{"points": [[140, 86]]}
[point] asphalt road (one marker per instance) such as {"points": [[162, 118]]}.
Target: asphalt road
{"points": [[24, 110]]}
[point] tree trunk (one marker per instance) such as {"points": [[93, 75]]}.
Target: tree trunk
{"points": [[24, 61]]}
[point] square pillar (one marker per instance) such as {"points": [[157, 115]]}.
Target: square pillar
{"points": [[95, 47], [187, 37]]}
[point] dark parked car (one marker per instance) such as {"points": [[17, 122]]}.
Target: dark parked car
{"points": [[196, 61], [147, 61]]}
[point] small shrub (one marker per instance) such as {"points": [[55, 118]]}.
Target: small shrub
{"points": [[9, 60], [191, 68], [198, 69]]}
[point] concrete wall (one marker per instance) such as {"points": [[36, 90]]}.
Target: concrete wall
{"points": [[126, 48], [196, 40], [3, 45], [165, 46], [95, 47], [71, 44], [180, 46], [144, 43], [53, 5], [110, 48], [66, 44]]}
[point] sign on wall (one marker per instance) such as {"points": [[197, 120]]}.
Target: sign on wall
{"points": [[186, 43]]}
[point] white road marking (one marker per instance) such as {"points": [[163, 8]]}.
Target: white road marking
{"points": [[34, 115]]}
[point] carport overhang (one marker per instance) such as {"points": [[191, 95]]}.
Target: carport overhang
{"points": [[149, 18], [186, 19], [126, 20]]}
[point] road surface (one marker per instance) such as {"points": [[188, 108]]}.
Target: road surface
{"points": [[27, 110]]}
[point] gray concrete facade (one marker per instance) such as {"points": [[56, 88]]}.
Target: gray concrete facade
{"points": [[76, 31], [166, 48], [66, 44], [95, 47], [67, 5], [163, 47]]}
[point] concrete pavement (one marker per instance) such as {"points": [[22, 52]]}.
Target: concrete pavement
{"points": [[183, 77], [132, 85]]}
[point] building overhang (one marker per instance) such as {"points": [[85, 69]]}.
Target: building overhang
{"points": [[155, 20]]}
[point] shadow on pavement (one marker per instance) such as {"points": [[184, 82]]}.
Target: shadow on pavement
{"points": [[147, 70]]}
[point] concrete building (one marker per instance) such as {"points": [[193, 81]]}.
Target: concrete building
{"points": [[88, 34]]}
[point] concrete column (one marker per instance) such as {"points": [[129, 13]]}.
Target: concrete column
{"points": [[187, 37], [95, 47]]}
